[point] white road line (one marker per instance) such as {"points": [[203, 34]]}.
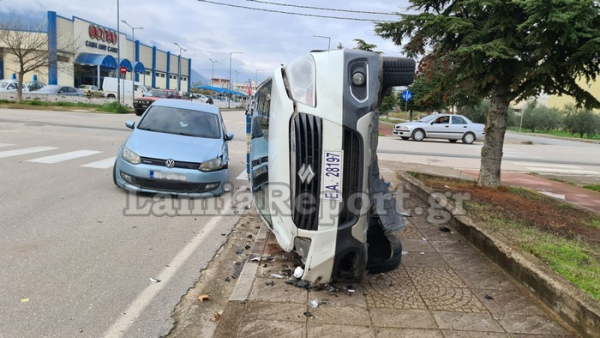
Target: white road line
{"points": [[65, 157], [546, 165], [243, 176], [17, 152], [2, 145], [563, 171], [138, 305], [103, 164]]}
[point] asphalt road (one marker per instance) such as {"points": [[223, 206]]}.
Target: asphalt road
{"points": [[76, 252]]}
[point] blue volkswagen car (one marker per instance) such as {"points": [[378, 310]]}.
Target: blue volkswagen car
{"points": [[178, 147]]}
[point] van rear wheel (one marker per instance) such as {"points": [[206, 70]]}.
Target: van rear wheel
{"points": [[398, 72]]}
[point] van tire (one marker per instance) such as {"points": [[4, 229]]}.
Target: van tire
{"points": [[111, 96], [139, 112], [390, 264], [398, 72]]}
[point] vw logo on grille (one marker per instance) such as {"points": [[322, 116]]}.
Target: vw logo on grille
{"points": [[306, 173], [170, 163]]}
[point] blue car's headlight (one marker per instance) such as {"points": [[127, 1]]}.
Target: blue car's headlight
{"points": [[214, 164], [130, 156]]}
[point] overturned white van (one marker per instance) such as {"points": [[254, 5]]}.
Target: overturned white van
{"points": [[314, 171]]}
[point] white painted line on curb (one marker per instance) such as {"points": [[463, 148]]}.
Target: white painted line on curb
{"points": [[65, 157], [563, 171], [243, 176], [103, 164], [138, 305], [17, 152], [545, 165], [559, 196]]}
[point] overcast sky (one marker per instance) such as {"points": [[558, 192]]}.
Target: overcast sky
{"points": [[208, 30]]}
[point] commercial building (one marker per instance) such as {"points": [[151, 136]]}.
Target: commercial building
{"points": [[83, 52]]}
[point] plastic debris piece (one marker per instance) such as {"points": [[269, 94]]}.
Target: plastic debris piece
{"points": [[298, 272], [239, 252], [421, 253], [333, 289], [445, 186], [255, 259], [154, 280], [217, 316], [227, 279], [247, 246], [388, 183], [202, 298], [444, 229], [308, 314], [303, 284], [24, 300], [423, 239], [249, 236], [488, 297], [313, 303], [405, 214], [404, 253], [274, 275], [271, 283]]}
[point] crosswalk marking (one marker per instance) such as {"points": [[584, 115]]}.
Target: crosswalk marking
{"points": [[243, 176], [103, 164], [65, 157], [24, 151]]}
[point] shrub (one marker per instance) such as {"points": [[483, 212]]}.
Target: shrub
{"points": [[114, 107]]}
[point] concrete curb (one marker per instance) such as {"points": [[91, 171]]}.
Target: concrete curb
{"points": [[574, 306], [243, 287]]}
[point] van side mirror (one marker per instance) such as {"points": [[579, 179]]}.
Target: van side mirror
{"points": [[228, 136]]}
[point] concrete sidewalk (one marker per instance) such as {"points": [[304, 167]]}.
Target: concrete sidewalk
{"points": [[445, 287]]}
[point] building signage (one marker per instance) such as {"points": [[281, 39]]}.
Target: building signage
{"points": [[104, 37]]}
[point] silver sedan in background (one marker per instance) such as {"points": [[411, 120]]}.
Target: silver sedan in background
{"points": [[441, 126], [59, 90]]}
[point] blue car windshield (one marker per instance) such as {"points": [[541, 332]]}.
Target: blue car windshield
{"points": [[180, 121]]}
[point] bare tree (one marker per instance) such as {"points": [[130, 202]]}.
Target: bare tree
{"points": [[27, 43]]}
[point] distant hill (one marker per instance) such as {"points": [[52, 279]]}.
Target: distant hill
{"points": [[197, 77]]}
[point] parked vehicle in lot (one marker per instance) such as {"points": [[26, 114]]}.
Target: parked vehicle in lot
{"points": [[315, 176], [111, 87], [142, 103], [34, 85], [11, 86], [179, 147], [198, 97], [59, 90], [441, 126], [91, 91]]}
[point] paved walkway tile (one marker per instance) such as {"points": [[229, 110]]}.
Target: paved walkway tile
{"points": [[466, 321], [393, 290], [339, 315], [275, 311], [508, 302], [407, 319], [278, 292], [423, 259], [266, 328], [407, 333], [531, 325], [346, 331], [476, 334]]}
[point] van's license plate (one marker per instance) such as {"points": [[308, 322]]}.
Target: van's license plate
{"points": [[169, 177], [333, 162]]}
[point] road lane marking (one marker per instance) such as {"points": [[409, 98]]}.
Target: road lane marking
{"points": [[103, 164], [546, 165], [563, 171], [2, 145], [65, 157], [25, 151], [243, 176], [124, 322]]}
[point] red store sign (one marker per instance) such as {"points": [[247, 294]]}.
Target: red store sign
{"points": [[102, 34]]}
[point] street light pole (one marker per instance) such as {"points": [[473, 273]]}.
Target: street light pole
{"points": [[118, 57], [133, 70], [179, 68], [237, 78], [213, 71], [256, 76], [230, 55], [325, 37]]}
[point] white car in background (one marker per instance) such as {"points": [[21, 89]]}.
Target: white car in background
{"points": [[11, 86], [441, 126]]}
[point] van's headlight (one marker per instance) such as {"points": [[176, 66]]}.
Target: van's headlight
{"points": [[301, 80], [130, 156], [214, 164]]}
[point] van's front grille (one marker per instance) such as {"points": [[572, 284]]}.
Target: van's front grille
{"points": [[306, 149], [353, 170]]}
